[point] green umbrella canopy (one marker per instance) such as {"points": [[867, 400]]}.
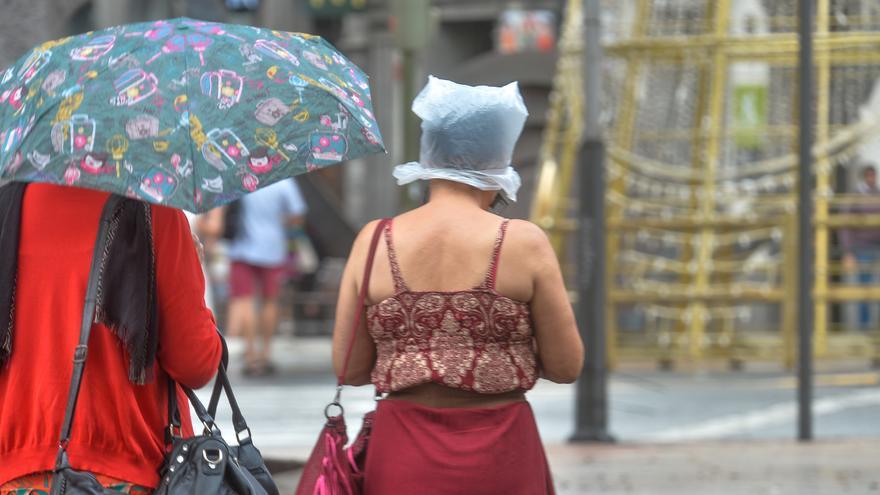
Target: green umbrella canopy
{"points": [[183, 113]]}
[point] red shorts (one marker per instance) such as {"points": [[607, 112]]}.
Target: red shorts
{"points": [[244, 279]]}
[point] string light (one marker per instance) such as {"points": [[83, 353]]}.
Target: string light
{"points": [[673, 238], [687, 314], [641, 262]]}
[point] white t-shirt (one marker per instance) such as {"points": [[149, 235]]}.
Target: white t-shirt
{"points": [[262, 237]]}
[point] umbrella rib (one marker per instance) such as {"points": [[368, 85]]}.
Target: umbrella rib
{"points": [[192, 143]]}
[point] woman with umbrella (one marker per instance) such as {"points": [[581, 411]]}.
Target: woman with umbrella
{"points": [[183, 114], [465, 310], [153, 323]]}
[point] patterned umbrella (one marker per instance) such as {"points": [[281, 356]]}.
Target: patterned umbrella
{"points": [[184, 113]]}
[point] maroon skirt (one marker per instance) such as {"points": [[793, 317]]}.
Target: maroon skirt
{"points": [[486, 451]]}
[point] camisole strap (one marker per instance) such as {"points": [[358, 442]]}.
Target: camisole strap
{"points": [[399, 283], [492, 274]]}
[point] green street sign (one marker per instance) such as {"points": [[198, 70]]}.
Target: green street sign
{"points": [[750, 115], [335, 8]]}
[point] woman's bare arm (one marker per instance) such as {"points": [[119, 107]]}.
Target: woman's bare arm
{"points": [[560, 349], [210, 225], [363, 355]]}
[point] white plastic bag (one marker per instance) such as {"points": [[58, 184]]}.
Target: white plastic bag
{"points": [[468, 135]]}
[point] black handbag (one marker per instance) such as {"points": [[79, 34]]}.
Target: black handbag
{"points": [[206, 464], [66, 480]]}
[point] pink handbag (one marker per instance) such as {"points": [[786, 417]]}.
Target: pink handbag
{"points": [[333, 468]]}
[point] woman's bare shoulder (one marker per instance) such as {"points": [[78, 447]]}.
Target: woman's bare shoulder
{"points": [[527, 241], [367, 230], [362, 241], [526, 234]]}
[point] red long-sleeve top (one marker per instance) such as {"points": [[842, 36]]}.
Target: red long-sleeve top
{"points": [[119, 428]]}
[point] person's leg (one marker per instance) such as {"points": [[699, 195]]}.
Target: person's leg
{"points": [[865, 260], [272, 280], [874, 305], [268, 324], [852, 309], [242, 314]]}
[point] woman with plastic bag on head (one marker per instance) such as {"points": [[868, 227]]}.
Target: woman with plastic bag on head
{"points": [[466, 311]]}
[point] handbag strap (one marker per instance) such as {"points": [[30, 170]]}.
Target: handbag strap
{"points": [[242, 431], [174, 421], [206, 419], [362, 298], [218, 385], [88, 318], [199, 408], [207, 415]]}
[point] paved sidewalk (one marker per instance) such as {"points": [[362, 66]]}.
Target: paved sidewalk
{"points": [[747, 468], [732, 468], [646, 406], [694, 433]]}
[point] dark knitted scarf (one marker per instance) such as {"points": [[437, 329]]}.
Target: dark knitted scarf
{"points": [[127, 289]]}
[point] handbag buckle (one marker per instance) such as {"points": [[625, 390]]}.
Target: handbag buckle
{"points": [[336, 399], [243, 435], [80, 354], [174, 431], [332, 404], [213, 457], [208, 429]]}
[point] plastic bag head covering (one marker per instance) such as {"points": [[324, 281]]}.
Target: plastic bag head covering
{"points": [[468, 135]]}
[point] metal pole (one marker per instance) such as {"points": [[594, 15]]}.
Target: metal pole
{"points": [[412, 28], [109, 13], [409, 193], [410, 121], [206, 10], [591, 406], [805, 224]]}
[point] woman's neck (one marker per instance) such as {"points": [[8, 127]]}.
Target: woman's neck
{"points": [[448, 192]]}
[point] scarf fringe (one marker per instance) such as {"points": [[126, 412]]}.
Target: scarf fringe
{"points": [[131, 232]]}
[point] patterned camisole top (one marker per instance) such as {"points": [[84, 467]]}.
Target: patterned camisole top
{"points": [[475, 340]]}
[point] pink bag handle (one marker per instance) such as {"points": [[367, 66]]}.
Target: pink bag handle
{"points": [[362, 298]]}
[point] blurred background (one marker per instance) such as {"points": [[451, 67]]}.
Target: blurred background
{"points": [[698, 112]]}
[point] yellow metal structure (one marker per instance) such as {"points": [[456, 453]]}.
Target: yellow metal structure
{"points": [[563, 132], [702, 136]]}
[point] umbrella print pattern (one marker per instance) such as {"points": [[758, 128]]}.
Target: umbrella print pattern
{"points": [[184, 113]]}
